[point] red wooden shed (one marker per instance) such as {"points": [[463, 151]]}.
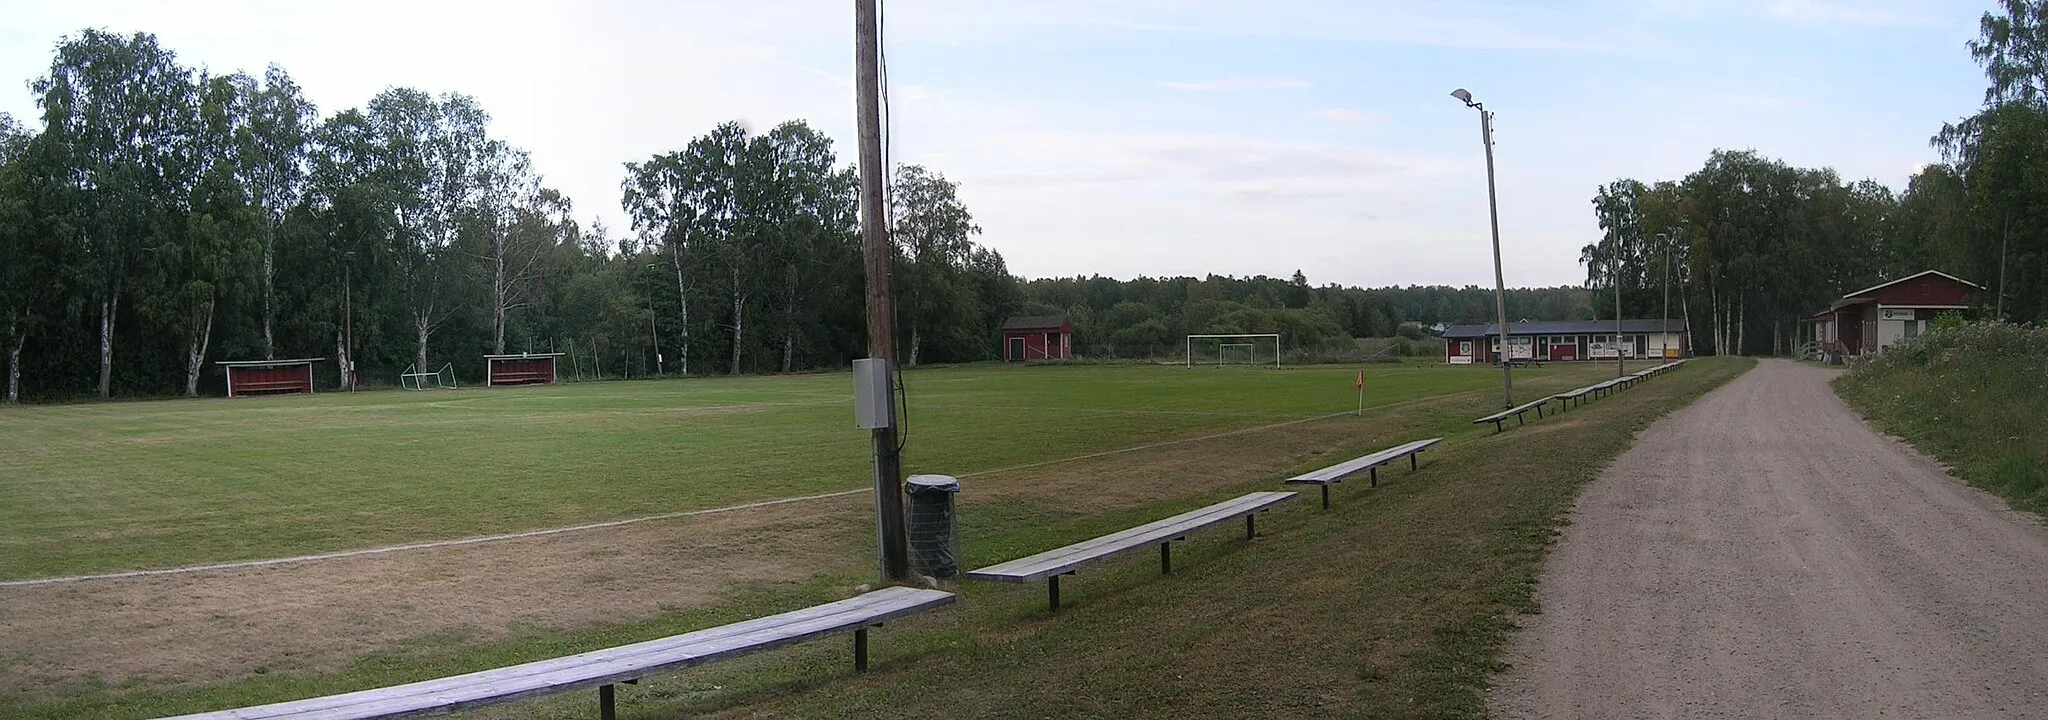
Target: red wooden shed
{"points": [[1873, 318], [268, 377], [521, 369], [1037, 337]]}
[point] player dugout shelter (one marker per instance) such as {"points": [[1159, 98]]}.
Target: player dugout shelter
{"points": [[1871, 319], [521, 369], [268, 377], [1037, 337], [1546, 340]]}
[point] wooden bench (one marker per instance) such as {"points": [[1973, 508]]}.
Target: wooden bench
{"points": [[1371, 463], [261, 386], [604, 668], [1568, 398], [1502, 416], [521, 377], [1051, 564], [1604, 387]]}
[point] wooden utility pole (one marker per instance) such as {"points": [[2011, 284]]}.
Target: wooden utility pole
{"points": [[892, 543]]}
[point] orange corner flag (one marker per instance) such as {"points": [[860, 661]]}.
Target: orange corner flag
{"points": [[1361, 378]]}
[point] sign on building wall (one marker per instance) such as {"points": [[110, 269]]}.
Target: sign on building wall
{"points": [[1895, 314]]}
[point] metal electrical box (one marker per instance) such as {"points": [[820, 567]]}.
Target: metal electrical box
{"points": [[871, 396]]}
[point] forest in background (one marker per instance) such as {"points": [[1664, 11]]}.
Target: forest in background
{"points": [[1754, 247], [162, 217]]}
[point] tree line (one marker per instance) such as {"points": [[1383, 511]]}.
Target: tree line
{"points": [[1150, 317], [1753, 247], [162, 217]]}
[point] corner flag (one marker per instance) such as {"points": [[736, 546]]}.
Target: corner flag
{"points": [[1361, 391]]}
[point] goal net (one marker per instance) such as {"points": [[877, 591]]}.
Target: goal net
{"points": [[1258, 349], [412, 379]]}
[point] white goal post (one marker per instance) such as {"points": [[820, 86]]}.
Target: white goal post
{"points": [[1248, 350]]}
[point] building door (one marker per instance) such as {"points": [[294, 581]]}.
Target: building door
{"points": [[1016, 348]]}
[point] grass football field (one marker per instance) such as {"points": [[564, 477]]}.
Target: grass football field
{"points": [[1392, 603], [112, 487]]}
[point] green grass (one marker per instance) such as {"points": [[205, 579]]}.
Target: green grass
{"points": [[1975, 397], [1392, 604], [138, 485]]}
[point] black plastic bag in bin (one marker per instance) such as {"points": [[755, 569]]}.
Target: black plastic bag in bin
{"points": [[934, 547]]}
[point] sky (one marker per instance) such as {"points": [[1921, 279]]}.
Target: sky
{"points": [[1150, 137]]}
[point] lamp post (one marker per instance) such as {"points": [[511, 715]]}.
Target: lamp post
{"points": [[1664, 325], [1500, 291], [1614, 263], [653, 330]]}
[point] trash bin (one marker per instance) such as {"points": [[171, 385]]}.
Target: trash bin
{"points": [[934, 550]]}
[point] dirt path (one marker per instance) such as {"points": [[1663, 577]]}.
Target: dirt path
{"points": [[1764, 554]]}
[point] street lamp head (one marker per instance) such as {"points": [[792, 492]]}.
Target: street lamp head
{"points": [[1462, 95]]}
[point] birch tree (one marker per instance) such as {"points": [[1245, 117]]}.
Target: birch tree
{"points": [[28, 279], [434, 154], [115, 107], [272, 145], [933, 232]]}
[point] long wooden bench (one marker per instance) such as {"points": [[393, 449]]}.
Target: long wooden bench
{"points": [[1051, 564], [1516, 412], [1607, 386], [1569, 398], [1371, 463], [602, 669]]}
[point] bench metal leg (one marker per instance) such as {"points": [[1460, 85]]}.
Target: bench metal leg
{"points": [[1326, 496], [1411, 461], [860, 650], [1250, 526], [606, 709], [1375, 470], [1166, 558], [1052, 592]]}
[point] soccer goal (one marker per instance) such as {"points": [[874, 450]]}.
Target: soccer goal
{"points": [[1221, 350], [413, 379]]}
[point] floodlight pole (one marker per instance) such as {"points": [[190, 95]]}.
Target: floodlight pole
{"points": [[1620, 363], [1664, 325], [892, 542], [1500, 291]]}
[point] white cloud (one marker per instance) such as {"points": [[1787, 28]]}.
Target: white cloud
{"points": [[1240, 84]]}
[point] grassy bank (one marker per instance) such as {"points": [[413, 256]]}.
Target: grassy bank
{"points": [[1975, 397]]}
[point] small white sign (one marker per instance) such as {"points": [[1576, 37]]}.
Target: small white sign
{"points": [[1895, 314]]}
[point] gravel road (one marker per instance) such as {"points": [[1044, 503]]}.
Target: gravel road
{"points": [[1764, 554]]}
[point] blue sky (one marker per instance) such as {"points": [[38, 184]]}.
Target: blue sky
{"points": [[1155, 138]]}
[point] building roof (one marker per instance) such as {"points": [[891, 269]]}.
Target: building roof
{"points": [[265, 363], [1914, 276], [522, 356], [1565, 327], [1036, 322]]}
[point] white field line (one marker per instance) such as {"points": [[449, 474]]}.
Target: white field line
{"points": [[421, 546], [650, 518]]}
